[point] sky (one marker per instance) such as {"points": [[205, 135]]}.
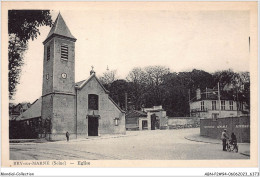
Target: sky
{"points": [[124, 39]]}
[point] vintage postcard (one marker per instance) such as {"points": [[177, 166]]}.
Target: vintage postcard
{"points": [[129, 84]]}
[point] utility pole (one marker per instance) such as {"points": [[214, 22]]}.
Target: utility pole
{"points": [[219, 101], [249, 42], [125, 101], [189, 102]]}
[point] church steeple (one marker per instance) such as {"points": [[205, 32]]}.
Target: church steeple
{"points": [[58, 88], [60, 28]]}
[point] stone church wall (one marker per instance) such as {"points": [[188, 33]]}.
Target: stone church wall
{"points": [[107, 111], [48, 69], [64, 117], [64, 66]]}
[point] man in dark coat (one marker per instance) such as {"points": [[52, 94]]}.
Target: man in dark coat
{"points": [[67, 136]]}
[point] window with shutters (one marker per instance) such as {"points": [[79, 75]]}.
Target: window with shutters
{"points": [[48, 53], [64, 51], [231, 105], [202, 106], [222, 105], [214, 105]]}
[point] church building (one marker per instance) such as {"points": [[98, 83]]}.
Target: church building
{"points": [[83, 108]]}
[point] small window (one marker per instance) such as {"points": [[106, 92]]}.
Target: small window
{"points": [[202, 106], [231, 105], [222, 105], [116, 121], [93, 102], [48, 53], [64, 51], [214, 107]]}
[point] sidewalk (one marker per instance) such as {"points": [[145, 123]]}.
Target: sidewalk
{"points": [[28, 140], [243, 148], [79, 139]]}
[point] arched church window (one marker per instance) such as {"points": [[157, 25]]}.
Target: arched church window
{"points": [[93, 102]]}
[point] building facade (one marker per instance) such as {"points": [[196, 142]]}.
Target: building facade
{"points": [[212, 107], [15, 111], [136, 120], [83, 108], [158, 115], [147, 119]]}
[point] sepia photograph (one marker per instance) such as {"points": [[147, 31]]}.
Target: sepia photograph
{"points": [[130, 81]]}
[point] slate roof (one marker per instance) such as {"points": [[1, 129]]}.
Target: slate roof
{"points": [[17, 109], [60, 28], [135, 113], [223, 96], [33, 112]]}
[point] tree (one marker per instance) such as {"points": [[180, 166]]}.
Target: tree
{"points": [[225, 78], [156, 90], [108, 77], [22, 26], [16, 50], [137, 79], [155, 74], [117, 90], [235, 84], [176, 98], [196, 79]]}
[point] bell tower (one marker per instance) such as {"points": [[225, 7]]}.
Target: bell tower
{"points": [[58, 89]]}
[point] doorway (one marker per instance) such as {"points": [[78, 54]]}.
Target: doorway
{"points": [[144, 125], [153, 121], [93, 125]]}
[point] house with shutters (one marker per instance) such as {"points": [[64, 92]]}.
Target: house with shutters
{"points": [[209, 104], [81, 108]]}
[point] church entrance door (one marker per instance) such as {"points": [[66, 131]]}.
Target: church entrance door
{"points": [[93, 125]]}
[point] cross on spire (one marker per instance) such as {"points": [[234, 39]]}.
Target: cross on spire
{"points": [[92, 71]]}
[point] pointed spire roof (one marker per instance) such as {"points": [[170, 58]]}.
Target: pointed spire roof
{"points": [[60, 28]]}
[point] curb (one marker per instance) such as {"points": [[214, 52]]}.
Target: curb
{"points": [[200, 141], [72, 140], [248, 155]]}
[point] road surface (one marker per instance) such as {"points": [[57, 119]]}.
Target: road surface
{"points": [[135, 145]]}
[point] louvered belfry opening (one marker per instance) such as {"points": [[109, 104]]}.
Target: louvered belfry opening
{"points": [[64, 51], [48, 53]]}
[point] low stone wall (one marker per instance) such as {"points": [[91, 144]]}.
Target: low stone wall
{"points": [[239, 125], [183, 122]]}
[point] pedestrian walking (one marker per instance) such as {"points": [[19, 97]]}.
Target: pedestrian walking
{"points": [[67, 136], [224, 138]]}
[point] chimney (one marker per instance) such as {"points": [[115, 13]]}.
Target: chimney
{"points": [[198, 94]]}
